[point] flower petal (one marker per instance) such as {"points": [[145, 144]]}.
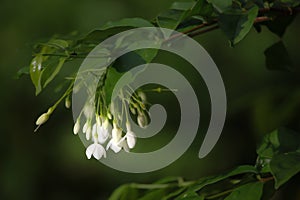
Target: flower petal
{"points": [[88, 133], [131, 140], [99, 152], [90, 150], [85, 126], [116, 148]]}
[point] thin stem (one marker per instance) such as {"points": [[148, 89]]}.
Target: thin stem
{"points": [[204, 31], [283, 10]]}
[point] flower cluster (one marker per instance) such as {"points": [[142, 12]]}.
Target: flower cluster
{"points": [[101, 122], [104, 130]]}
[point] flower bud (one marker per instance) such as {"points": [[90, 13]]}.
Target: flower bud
{"points": [[67, 102], [109, 116], [132, 109], [142, 95], [142, 120], [42, 119], [76, 127]]}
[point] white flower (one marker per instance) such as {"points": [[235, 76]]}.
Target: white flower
{"points": [[76, 127], [88, 132], [115, 140], [101, 129], [130, 137], [97, 150], [87, 129]]}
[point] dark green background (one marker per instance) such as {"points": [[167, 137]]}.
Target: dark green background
{"points": [[51, 164]]}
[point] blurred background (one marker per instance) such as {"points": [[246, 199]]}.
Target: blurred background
{"points": [[51, 163]]}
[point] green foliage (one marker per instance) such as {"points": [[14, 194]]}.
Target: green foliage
{"points": [[237, 23], [221, 5], [235, 18], [278, 159], [279, 154]]}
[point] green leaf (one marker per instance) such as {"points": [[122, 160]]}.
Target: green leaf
{"points": [[221, 5], [124, 192], [175, 15], [147, 54], [44, 67], [22, 71], [171, 195], [113, 28], [202, 9], [280, 154], [182, 5], [214, 179], [279, 24], [58, 43], [155, 194], [279, 141], [250, 191], [236, 23], [127, 22], [51, 70], [285, 166], [35, 70], [277, 57]]}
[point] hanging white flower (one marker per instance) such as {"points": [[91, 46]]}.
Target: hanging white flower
{"points": [[96, 150], [113, 144], [130, 137]]}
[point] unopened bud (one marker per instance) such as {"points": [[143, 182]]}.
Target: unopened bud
{"points": [[132, 110], [76, 127], [42, 119], [142, 120], [142, 95], [67, 102], [109, 116]]}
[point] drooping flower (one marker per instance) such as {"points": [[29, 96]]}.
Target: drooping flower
{"points": [[96, 150], [130, 137], [113, 144]]}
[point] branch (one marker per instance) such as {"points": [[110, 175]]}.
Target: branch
{"points": [[282, 10]]}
